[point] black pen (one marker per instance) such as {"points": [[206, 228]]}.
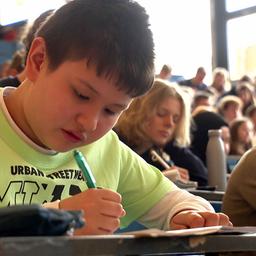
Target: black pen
{"points": [[85, 168]]}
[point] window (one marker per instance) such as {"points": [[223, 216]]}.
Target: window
{"points": [[182, 36], [235, 5], [12, 11], [241, 46], [235, 44]]}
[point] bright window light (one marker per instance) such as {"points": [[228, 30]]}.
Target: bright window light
{"points": [[182, 36], [12, 11]]}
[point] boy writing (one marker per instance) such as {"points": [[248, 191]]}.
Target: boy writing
{"points": [[85, 65]]}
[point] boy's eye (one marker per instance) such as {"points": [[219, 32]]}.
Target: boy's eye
{"points": [[81, 96], [110, 112]]}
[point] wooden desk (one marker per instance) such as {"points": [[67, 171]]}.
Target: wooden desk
{"points": [[125, 245]]}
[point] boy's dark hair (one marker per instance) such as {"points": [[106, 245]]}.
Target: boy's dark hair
{"points": [[30, 35], [113, 35]]}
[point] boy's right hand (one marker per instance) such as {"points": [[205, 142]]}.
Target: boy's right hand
{"points": [[102, 210]]}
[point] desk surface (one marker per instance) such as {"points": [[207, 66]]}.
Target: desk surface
{"points": [[208, 195], [124, 245]]}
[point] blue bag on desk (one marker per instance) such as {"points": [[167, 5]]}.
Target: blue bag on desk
{"points": [[35, 220]]}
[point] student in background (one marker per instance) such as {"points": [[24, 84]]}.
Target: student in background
{"points": [[78, 82], [197, 82], [160, 120], [202, 98], [17, 70], [17, 64], [220, 82], [245, 92], [4, 68], [239, 199], [251, 114], [241, 131], [230, 108], [165, 72], [15, 73], [203, 121]]}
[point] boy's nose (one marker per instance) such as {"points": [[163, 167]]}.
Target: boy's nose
{"points": [[88, 122]]}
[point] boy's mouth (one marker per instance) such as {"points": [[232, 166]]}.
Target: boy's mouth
{"points": [[74, 136]]}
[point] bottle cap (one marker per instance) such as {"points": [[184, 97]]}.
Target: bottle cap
{"points": [[214, 132]]}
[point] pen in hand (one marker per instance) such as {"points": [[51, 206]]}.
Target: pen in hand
{"points": [[158, 158], [83, 165]]}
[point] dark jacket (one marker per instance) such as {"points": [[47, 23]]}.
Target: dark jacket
{"points": [[202, 123], [179, 156], [10, 81], [184, 158]]}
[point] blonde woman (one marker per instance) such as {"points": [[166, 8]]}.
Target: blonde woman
{"points": [[220, 82], [160, 120]]}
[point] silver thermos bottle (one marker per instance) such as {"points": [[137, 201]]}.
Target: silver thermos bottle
{"points": [[216, 161]]}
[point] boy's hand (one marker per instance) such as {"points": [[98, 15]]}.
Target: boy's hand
{"points": [[195, 219], [102, 210]]}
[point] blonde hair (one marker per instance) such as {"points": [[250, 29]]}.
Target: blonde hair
{"points": [[202, 108], [224, 102], [225, 73], [131, 123]]}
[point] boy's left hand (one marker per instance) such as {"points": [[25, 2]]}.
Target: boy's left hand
{"points": [[196, 219]]}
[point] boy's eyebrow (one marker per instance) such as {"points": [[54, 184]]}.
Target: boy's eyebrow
{"points": [[88, 85]]}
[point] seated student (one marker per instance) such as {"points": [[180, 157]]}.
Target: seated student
{"points": [[220, 82], [251, 114], [201, 98], [245, 91], [4, 68], [15, 78], [14, 74], [197, 82], [165, 72], [78, 82], [160, 120], [239, 199], [203, 121], [230, 108], [241, 134]]}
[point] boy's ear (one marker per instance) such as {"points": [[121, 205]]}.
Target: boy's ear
{"points": [[36, 58]]}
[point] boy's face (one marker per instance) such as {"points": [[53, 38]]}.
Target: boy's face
{"points": [[70, 106]]}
